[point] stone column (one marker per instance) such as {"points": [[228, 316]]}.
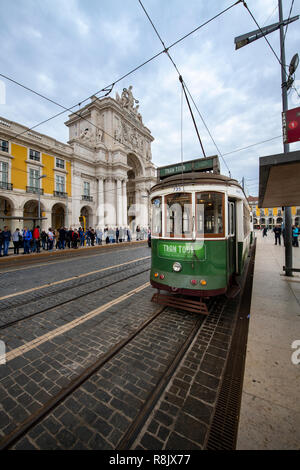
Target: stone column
{"points": [[110, 202], [101, 202], [124, 201], [76, 200], [119, 220]]}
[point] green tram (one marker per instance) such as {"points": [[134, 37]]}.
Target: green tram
{"points": [[200, 236]]}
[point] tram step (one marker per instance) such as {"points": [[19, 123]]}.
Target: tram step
{"points": [[195, 306]]}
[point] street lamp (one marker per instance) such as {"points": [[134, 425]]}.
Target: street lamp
{"points": [[39, 191]]}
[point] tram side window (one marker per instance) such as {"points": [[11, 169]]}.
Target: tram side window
{"points": [[246, 220], [156, 216], [209, 214], [179, 215]]}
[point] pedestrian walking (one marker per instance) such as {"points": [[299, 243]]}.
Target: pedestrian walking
{"points": [[117, 234], [265, 232]]}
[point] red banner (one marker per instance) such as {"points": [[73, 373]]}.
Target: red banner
{"points": [[291, 125]]}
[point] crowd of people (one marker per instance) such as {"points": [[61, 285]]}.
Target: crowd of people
{"points": [[278, 232], [34, 240]]}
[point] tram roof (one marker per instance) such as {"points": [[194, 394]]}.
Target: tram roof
{"points": [[195, 178]]}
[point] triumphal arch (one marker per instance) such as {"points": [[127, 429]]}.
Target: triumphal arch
{"points": [[112, 171]]}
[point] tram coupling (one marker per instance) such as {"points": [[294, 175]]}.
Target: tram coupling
{"points": [[181, 302]]}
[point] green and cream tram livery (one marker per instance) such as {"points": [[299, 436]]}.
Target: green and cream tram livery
{"points": [[200, 229]]}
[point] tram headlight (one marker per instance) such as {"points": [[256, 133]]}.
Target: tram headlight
{"points": [[177, 267]]}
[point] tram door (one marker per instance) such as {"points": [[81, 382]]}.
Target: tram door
{"points": [[231, 247]]}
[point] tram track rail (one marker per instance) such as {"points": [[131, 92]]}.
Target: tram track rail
{"points": [[124, 269], [149, 403]]}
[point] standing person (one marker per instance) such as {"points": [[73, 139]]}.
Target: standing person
{"points": [[44, 239], [117, 234], [128, 235], [81, 236], [295, 233], [1, 242], [6, 239], [277, 231], [265, 232], [69, 237], [50, 239], [16, 241], [74, 239], [36, 239], [92, 236], [138, 231], [99, 236], [62, 238], [27, 236]]}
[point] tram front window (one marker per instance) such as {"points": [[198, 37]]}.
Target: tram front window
{"points": [[209, 214], [156, 216], [179, 215]]}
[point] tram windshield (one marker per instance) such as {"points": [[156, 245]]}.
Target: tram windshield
{"points": [[178, 213], [210, 214]]}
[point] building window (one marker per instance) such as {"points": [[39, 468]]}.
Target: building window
{"points": [[4, 172], [60, 183], [60, 163], [34, 155], [4, 145], [86, 188], [34, 181]]}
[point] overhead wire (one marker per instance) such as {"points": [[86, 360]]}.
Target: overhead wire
{"points": [[111, 85], [181, 79]]}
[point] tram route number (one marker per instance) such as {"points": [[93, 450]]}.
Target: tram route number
{"points": [[177, 189]]}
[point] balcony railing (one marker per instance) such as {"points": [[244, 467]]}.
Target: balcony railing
{"points": [[60, 194], [4, 185], [87, 198], [33, 189]]}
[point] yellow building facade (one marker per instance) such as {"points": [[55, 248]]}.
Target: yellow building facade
{"points": [[35, 179]]}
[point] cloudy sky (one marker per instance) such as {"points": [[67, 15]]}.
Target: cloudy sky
{"points": [[67, 50]]}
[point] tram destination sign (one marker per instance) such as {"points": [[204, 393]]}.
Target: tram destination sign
{"points": [[201, 164], [182, 250]]}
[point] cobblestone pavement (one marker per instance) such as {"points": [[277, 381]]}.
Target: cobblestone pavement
{"points": [[99, 413]]}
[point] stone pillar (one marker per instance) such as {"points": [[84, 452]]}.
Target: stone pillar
{"points": [[110, 202], [119, 220], [76, 200], [124, 201], [101, 202]]}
